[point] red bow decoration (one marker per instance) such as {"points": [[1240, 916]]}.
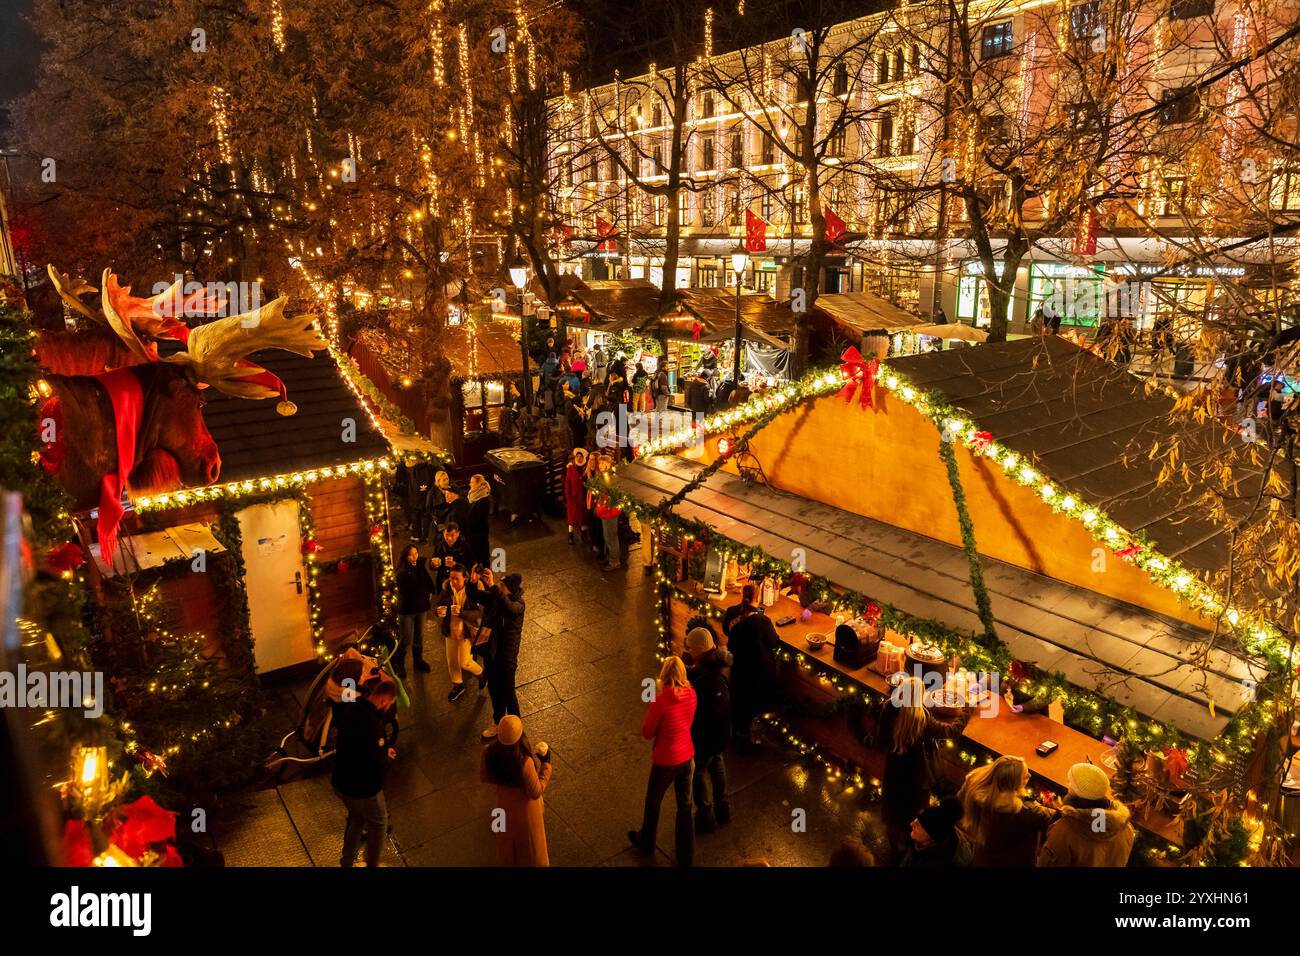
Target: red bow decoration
{"points": [[696, 331], [981, 440], [341, 567], [871, 612], [1175, 762], [310, 546], [1131, 551], [861, 375]]}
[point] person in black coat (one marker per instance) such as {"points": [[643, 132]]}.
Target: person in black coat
{"points": [[415, 588], [908, 733], [364, 748], [477, 526], [746, 606], [419, 479], [710, 728], [504, 603], [754, 690], [450, 550]]}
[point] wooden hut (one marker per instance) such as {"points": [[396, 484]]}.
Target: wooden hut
{"points": [[292, 540], [1017, 457]]}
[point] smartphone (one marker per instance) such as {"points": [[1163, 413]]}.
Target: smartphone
{"points": [[782, 622], [1046, 748]]}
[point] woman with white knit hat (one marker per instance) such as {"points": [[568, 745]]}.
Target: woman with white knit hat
{"points": [[520, 776]]}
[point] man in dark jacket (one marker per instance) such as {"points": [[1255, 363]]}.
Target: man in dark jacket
{"points": [[710, 728], [450, 550], [419, 479], [504, 603], [364, 748], [935, 840], [753, 642]]}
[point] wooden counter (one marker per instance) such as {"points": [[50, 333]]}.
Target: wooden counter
{"points": [[996, 729]]}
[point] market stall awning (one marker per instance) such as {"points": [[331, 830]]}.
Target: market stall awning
{"points": [[762, 319], [866, 313], [482, 350], [618, 305], [1136, 657], [153, 549], [953, 331]]}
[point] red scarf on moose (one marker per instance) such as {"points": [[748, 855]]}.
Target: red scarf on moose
{"points": [[127, 398]]}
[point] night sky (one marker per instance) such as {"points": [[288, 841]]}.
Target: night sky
{"points": [[18, 55]]}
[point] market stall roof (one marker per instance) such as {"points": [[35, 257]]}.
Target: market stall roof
{"points": [[866, 313], [490, 350], [761, 317], [618, 304], [1088, 425], [1127, 653], [153, 549], [257, 442], [952, 331]]}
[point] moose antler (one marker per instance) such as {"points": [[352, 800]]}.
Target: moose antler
{"points": [[217, 352], [69, 290]]}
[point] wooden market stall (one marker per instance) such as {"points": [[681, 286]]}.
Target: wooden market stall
{"points": [[291, 541], [867, 320], [857, 501], [484, 358]]}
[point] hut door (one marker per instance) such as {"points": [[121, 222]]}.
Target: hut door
{"points": [[277, 585]]}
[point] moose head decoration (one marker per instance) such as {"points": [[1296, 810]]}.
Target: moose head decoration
{"points": [[139, 428]]}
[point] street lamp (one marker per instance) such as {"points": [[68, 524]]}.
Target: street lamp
{"points": [[739, 263], [518, 270]]}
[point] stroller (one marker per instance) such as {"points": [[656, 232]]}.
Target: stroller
{"points": [[362, 664]]}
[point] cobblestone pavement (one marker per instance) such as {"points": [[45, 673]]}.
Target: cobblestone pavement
{"points": [[588, 644]]}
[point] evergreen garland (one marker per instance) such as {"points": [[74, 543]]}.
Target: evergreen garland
{"points": [[982, 604]]}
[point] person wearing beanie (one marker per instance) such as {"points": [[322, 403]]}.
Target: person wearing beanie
{"points": [[504, 603], [520, 776], [708, 669], [935, 840], [1094, 829]]}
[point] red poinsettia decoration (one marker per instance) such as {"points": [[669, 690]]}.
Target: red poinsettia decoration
{"points": [[142, 830], [376, 530], [310, 546], [1131, 551], [66, 557], [141, 823], [980, 440], [1175, 762], [871, 612], [342, 567]]}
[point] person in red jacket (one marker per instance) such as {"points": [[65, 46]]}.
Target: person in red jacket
{"points": [[668, 723], [575, 492]]}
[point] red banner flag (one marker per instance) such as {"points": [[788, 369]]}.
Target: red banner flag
{"points": [[607, 233], [755, 233], [835, 229]]}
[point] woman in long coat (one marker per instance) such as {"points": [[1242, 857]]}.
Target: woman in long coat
{"points": [[575, 493], [510, 764]]}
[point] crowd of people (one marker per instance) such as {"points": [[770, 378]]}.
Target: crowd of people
{"points": [[705, 700]]}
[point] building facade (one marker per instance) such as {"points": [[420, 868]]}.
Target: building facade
{"points": [[1140, 150]]}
